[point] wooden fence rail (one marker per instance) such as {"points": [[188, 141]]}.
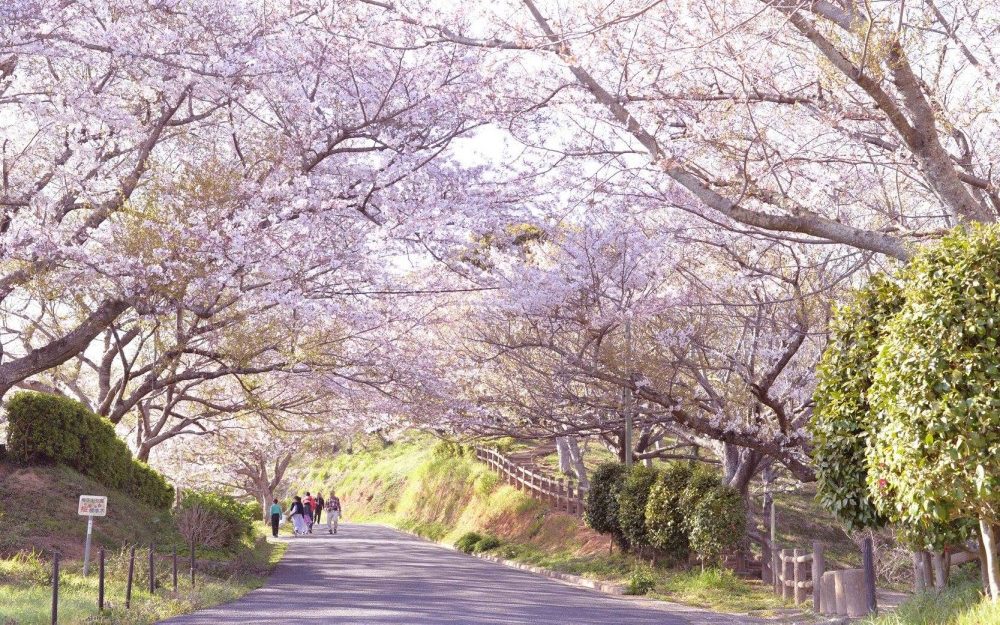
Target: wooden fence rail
{"points": [[563, 494]]}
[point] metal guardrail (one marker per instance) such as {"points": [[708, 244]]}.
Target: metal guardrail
{"points": [[563, 494]]}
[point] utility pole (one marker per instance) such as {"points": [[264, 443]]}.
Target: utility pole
{"points": [[627, 398]]}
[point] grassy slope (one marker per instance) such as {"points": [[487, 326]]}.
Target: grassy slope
{"points": [[38, 515], [407, 486], [38, 511]]}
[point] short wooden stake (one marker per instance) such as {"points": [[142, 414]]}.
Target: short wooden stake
{"points": [[797, 576], [100, 580], [152, 569], [175, 568], [55, 588], [868, 563], [131, 574], [776, 571], [786, 574], [818, 564], [192, 563]]}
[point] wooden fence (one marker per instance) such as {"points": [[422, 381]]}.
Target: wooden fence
{"points": [[800, 574], [562, 493]]}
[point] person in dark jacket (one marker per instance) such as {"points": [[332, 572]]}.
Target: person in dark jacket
{"points": [[319, 509], [297, 513]]}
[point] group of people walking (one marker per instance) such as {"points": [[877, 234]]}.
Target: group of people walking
{"points": [[307, 512]]}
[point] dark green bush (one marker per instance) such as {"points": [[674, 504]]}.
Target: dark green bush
{"points": [[468, 541], [717, 523], [149, 485], [602, 501], [632, 502], [488, 542], [50, 428], [665, 525], [236, 518], [703, 479]]}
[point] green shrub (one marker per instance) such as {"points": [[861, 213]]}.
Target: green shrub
{"points": [[640, 581], [842, 423], [46, 428], [449, 449], [665, 524], [488, 542], [149, 486], [50, 428], [602, 501], [717, 523], [468, 541], [632, 502], [703, 480], [235, 518]]}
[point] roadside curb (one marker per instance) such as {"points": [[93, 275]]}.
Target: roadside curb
{"points": [[608, 588]]}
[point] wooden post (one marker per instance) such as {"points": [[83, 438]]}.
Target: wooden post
{"points": [[131, 573], [776, 572], [175, 569], [192, 563], [55, 587], [152, 569], [786, 573], [797, 576], [100, 580], [818, 564], [868, 563]]}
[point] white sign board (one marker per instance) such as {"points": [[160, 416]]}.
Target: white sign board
{"points": [[92, 505]]}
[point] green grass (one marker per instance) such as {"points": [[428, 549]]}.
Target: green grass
{"points": [[25, 592], [960, 604]]}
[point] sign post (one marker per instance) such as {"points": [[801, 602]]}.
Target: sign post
{"points": [[91, 506]]}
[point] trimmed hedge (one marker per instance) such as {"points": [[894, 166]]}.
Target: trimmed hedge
{"points": [[665, 523], [717, 523], [632, 504], [602, 501], [50, 428]]}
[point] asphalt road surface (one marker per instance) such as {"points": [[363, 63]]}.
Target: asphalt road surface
{"points": [[372, 575]]}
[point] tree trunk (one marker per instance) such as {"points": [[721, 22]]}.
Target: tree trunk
{"points": [[562, 448], [926, 569], [576, 461], [265, 497], [940, 580], [992, 566], [919, 583]]}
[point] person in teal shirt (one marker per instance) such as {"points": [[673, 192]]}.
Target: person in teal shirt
{"points": [[275, 518]]}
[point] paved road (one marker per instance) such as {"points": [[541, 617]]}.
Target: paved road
{"points": [[372, 575]]}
